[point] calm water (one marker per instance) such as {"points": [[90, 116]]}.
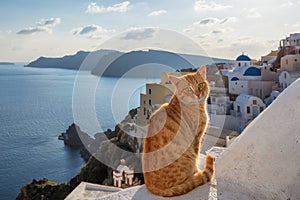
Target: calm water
{"points": [[36, 105]]}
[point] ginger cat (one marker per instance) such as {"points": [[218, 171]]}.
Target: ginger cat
{"points": [[175, 131]]}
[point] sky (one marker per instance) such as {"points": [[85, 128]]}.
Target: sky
{"points": [[225, 29]]}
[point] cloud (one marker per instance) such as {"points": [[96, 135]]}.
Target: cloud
{"points": [[202, 5], [217, 31], [212, 21], [211, 25], [139, 34], [207, 22], [253, 13], [52, 22], [92, 31], [93, 8], [228, 20], [32, 30], [156, 13], [222, 30], [44, 25]]}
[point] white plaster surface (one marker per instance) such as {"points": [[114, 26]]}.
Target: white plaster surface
{"points": [[205, 192], [90, 191], [264, 161]]}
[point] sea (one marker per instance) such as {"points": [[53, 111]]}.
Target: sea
{"points": [[37, 105]]}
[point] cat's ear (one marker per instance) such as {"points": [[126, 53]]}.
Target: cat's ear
{"points": [[202, 72], [174, 80]]}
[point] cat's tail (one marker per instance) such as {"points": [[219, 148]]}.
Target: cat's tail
{"points": [[199, 178]]}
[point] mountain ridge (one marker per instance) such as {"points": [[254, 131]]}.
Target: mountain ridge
{"points": [[116, 63]]}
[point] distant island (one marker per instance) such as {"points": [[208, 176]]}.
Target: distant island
{"points": [[115, 63], [6, 63]]}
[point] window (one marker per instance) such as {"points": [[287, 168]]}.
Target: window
{"points": [[248, 109], [150, 91], [144, 102], [242, 86], [150, 102], [239, 64], [144, 111], [261, 109], [238, 108], [284, 75], [254, 102], [260, 93]]}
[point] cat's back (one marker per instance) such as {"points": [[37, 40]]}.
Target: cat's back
{"points": [[162, 126]]}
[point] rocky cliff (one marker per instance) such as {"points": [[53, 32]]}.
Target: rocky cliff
{"points": [[94, 171]]}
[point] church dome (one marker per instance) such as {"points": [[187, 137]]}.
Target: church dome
{"points": [[243, 58], [252, 71]]}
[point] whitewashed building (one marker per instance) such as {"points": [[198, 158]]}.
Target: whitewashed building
{"points": [[248, 106], [247, 78]]}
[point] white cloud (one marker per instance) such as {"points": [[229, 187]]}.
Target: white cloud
{"points": [[49, 22], [207, 22], [202, 5], [228, 20], [92, 31], [93, 8], [218, 31], [33, 30], [222, 30], [156, 13], [44, 25], [139, 33], [213, 21], [287, 4], [211, 28], [253, 13]]}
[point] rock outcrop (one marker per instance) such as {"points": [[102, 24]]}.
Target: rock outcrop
{"points": [[75, 137], [94, 171]]}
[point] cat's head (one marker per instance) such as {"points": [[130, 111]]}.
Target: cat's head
{"points": [[191, 88]]}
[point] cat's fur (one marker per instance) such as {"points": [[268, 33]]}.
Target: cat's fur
{"points": [[175, 131]]}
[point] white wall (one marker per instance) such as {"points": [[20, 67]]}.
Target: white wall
{"points": [[238, 87], [284, 79], [263, 162]]}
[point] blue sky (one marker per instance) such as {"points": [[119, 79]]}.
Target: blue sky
{"points": [[33, 28]]}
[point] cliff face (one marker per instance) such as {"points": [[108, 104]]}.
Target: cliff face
{"points": [[74, 137], [43, 189], [94, 171]]}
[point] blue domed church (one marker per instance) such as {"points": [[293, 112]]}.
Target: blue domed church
{"points": [[247, 78], [243, 61]]}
